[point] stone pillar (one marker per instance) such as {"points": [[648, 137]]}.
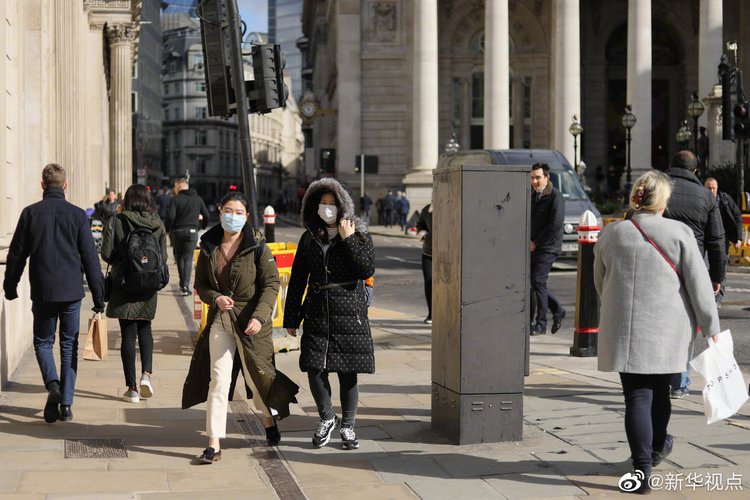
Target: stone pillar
{"points": [[425, 97], [710, 47], [348, 62], [496, 75], [566, 75], [639, 83], [121, 149]]}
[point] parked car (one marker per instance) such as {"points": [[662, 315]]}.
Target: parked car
{"points": [[562, 175]]}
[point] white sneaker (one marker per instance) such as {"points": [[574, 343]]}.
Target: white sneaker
{"points": [[131, 396], [147, 390]]}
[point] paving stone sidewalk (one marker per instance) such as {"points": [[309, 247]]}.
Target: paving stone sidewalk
{"points": [[574, 442]]}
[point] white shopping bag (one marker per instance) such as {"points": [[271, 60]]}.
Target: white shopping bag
{"points": [[725, 390]]}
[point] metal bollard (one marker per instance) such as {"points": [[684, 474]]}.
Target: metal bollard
{"points": [[269, 223], [587, 311]]}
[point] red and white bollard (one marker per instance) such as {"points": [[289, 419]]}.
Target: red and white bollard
{"points": [[587, 312], [269, 223]]}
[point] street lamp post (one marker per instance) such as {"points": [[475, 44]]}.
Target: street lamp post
{"points": [[628, 121], [452, 146], [695, 109], [575, 130]]}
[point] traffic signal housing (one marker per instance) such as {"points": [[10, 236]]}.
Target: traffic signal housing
{"points": [[268, 91], [742, 120], [217, 56]]}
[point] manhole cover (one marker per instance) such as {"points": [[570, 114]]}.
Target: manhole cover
{"points": [[95, 448]]}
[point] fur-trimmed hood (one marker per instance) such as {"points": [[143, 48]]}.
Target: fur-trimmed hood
{"points": [[311, 200]]}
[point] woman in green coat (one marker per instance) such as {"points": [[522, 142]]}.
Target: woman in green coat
{"points": [[134, 311], [237, 277]]}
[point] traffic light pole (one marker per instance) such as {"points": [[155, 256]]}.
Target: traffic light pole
{"points": [[240, 97]]}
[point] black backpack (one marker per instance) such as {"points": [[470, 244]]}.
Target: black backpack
{"points": [[144, 270]]}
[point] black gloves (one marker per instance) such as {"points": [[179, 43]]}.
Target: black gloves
{"points": [[11, 294]]}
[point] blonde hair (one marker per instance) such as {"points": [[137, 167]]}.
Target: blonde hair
{"points": [[53, 175], [651, 192]]}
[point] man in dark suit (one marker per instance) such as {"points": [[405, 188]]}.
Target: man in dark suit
{"points": [[56, 238], [547, 219], [731, 219]]}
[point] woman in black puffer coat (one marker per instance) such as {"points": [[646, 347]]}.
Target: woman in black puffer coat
{"points": [[333, 258]]}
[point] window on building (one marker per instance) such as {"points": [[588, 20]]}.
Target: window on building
{"points": [[527, 112], [477, 95], [201, 137], [177, 139], [173, 66], [166, 114], [197, 62], [200, 87], [200, 113], [200, 165], [166, 89], [134, 102], [177, 113]]}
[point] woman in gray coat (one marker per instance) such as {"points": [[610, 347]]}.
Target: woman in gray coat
{"points": [[654, 292]]}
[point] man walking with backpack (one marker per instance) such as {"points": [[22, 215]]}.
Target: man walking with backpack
{"points": [[55, 236], [186, 215]]}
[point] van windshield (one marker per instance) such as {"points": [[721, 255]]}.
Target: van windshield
{"points": [[568, 184]]}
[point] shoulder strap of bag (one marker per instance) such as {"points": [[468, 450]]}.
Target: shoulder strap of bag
{"points": [[669, 261]]}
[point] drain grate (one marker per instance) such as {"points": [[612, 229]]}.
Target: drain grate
{"points": [[95, 448]]}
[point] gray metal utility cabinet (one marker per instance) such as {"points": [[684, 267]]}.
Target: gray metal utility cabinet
{"points": [[479, 299]]}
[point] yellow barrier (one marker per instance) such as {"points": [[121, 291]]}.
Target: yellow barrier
{"points": [[741, 256]]}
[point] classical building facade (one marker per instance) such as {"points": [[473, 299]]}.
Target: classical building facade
{"points": [[397, 78], [207, 147], [65, 72]]}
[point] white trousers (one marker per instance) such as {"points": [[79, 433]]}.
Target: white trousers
{"points": [[222, 345]]}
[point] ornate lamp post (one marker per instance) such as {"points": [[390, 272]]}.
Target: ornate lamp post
{"points": [[575, 130], [628, 121], [695, 109], [683, 135], [452, 146]]}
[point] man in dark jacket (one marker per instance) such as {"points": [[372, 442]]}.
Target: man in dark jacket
{"points": [[692, 204], [162, 201], [547, 218], [424, 233], [55, 236], [389, 205], [186, 215], [731, 220]]}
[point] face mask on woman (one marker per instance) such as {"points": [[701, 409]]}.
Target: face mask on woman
{"points": [[328, 213], [233, 223]]}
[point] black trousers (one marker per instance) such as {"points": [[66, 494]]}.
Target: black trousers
{"points": [[183, 244], [541, 265], [130, 329], [427, 274], [349, 393], [647, 412]]}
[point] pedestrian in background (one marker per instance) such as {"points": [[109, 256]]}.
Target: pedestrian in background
{"points": [[692, 204], [403, 210], [162, 201], [334, 257], [106, 207], [186, 215], [731, 220], [134, 311], [424, 233], [237, 277], [547, 218], [365, 203], [653, 291], [55, 237], [380, 208], [389, 206]]}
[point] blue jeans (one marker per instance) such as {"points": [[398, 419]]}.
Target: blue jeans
{"points": [[45, 324], [680, 381], [541, 265]]}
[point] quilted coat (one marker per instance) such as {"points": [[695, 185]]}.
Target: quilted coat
{"points": [[123, 304], [336, 331], [254, 280]]}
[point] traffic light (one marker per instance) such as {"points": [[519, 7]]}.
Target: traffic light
{"points": [[742, 120], [268, 91], [328, 161], [217, 56], [233, 187]]}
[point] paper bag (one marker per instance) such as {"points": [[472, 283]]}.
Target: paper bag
{"points": [[96, 340], [725, 391]]}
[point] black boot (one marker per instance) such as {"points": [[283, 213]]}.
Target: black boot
{"points": [[66, 414], [54, 398], [273, 436]]}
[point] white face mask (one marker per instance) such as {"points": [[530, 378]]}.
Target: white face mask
{"points": [[328, 213]]}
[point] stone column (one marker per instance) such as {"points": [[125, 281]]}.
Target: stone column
{"points": [[348, 62], [639, 83], [425, 97], [496, 75], [566, 75], [710, 47], [121, 149]]}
